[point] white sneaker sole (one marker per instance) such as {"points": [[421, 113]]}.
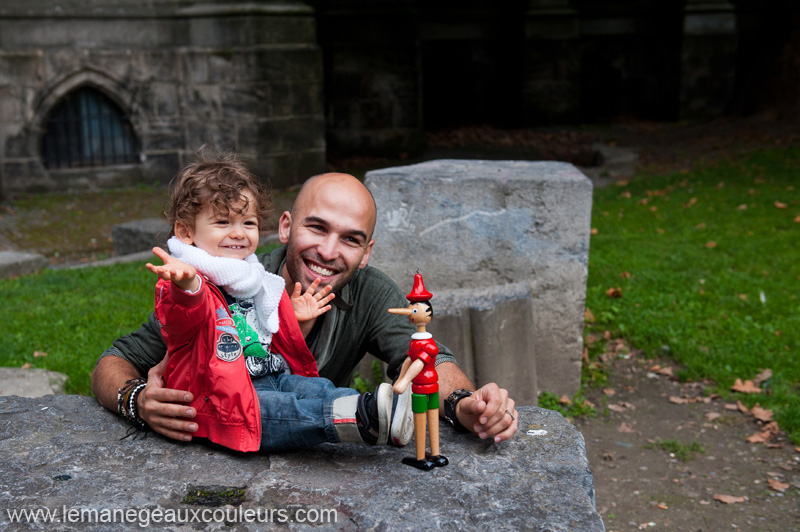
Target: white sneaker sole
{"points": [[385, 399], [402, 427]]}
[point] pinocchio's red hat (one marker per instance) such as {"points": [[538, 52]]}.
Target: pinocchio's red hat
{"points": [[418, 292]]}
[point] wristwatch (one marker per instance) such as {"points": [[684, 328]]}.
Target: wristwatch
{"points": [[450, 408]]}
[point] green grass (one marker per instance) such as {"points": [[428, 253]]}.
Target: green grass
{"points": [[73, 316], [677, 449], [726, 310]]}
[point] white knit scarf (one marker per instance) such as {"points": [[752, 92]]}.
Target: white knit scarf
{"points": [[239, 278]]}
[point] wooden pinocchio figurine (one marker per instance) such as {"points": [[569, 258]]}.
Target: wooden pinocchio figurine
{"points": [[419, 369]]}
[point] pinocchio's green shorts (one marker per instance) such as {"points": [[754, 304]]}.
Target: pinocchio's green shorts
{"points": [[421, 403]]}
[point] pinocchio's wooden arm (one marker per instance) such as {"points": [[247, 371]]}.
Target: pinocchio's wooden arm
{"points": [[407, 374]]}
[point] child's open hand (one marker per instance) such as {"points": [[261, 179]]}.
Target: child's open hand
{"points": [[311, 303], [180, 273]]}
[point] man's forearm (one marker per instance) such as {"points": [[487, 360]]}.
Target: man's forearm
{"points": [[108, 377], [451, 378]]}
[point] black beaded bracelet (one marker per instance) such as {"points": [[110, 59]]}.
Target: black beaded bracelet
{"points": [[126, 401]]}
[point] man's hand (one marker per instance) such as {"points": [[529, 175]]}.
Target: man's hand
{"points": [[162, 408], [489, 412], [311, 303]]}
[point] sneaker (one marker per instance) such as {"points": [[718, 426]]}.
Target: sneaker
{"points": [[385, 418]]}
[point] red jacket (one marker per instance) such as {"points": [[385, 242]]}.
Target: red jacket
{"points": [[205, 358]]}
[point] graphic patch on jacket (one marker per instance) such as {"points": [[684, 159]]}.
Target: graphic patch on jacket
{"points": [[260, 361], [228, 346]]}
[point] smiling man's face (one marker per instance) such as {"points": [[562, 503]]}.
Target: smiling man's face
{"points": [[329, 231]]}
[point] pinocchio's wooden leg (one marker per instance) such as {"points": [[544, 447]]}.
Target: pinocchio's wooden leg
{"points": [[433, 431], [419, 435]]}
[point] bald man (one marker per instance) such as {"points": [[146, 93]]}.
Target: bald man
{"points": [[327, 235]]}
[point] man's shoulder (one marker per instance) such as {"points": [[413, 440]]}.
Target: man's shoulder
{"points": [[372, 276]]}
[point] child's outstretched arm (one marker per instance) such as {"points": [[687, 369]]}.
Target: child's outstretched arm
{"points": [[180, 273], [311, 303]]}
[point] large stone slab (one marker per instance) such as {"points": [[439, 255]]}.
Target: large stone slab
{"points": [[64, 453], [473, 224], [139, 235], [13, 263]]}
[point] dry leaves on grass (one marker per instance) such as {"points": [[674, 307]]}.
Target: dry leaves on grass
{"points": [[37, 354], [745, 387], [780, 205], [763, 376], [765, 436], [729, 499], [761, 414], [614, 293], [710, 244]]}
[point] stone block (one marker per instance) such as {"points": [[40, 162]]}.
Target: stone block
{"points": [[139, 235], [489, 330], [475, 224], [13, 263], [66, 452]]}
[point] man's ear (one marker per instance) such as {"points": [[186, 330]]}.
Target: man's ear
{"points": [[285, 227], [365, 258], [184, 233]]}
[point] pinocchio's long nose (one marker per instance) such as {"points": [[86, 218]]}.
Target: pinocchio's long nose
{"points": [[403, 311]]}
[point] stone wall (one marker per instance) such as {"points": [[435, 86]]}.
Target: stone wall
{"points": [[66, 454], [503, 247], [237, 75]]}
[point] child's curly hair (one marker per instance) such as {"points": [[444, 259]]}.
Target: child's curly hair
{"points": [[219, 181]]}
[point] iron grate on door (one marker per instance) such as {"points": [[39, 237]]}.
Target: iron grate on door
{"points": [[87, 129]]}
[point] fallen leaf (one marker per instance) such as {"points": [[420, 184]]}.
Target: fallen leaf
{"points": [[625, 427], [731, 406], [625, 275], [26, 365], [701, 225], [609, 391], [761, 414], [614, 293], [797, 449], [710, 244], [667, 372], [741, 408], [589, 404], [711, 416], [797, 219], [729, 499], [704, 502], [743, 297], [763, 376], [37, 354], [759, 437], [678, 400], [588, 316], [626, 194], [564, 400], [690, 203], [594, 231], [585, 356], [662, 506], [607, 335], [780, 205], [745, 387], [776, 485]]}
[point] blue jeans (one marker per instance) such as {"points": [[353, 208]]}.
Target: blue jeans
{"points": [[296, 412]]}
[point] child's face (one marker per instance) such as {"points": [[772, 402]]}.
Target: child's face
{"points": [[233, 236]]}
